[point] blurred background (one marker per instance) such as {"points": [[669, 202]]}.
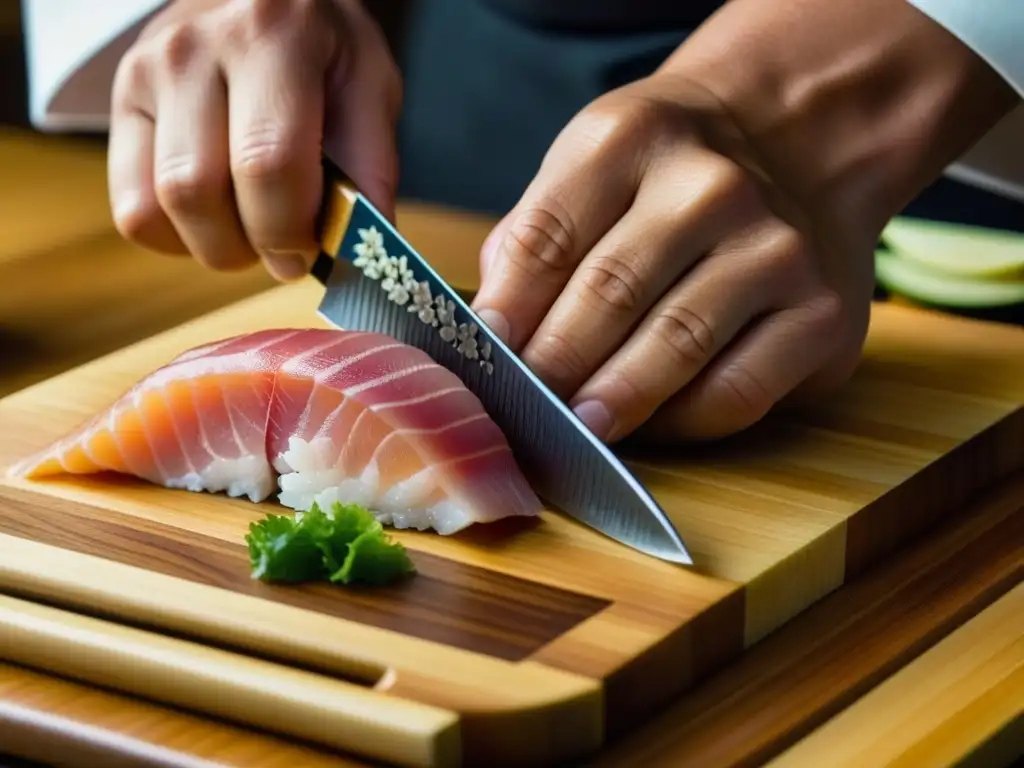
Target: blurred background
{"points": [[71, 289], [945, 200]]}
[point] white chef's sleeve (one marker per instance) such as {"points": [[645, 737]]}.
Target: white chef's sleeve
{"points": [[994, 30], [76, 43], [63, 37]]}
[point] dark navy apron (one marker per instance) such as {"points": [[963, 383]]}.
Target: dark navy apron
{"points": [[490, 83]]}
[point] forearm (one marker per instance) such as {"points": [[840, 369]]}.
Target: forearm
{"points": [[866, 101]]}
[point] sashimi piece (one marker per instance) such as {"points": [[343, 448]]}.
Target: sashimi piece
{"points": [[316, 415]]}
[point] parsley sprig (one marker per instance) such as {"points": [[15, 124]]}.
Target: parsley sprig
{"points": [[348, 545]]}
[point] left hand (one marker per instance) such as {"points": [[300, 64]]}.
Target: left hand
{"points": [[654, 267]]}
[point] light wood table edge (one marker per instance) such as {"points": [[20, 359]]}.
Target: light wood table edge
{"points": [[41, 719], [407, 671], [104, 720], [400, 214], [961, 702], [220, 310], [330, 712], [774, 694]]}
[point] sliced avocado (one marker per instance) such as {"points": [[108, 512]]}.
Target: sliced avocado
{"points": [[914, 280], [956, 248]]}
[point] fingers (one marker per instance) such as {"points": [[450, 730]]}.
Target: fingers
{"points": [[680, 211], [218, 127], [766, 365], [642, 267], [698, 319], [363, 112], [586, 182], [191, 174], [631, 270], [138, 216], [276, 116]]}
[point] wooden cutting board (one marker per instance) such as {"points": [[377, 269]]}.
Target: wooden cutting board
{"points": [[515, 644]]}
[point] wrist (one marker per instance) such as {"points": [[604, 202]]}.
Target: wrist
{"points": [[855, 105]]}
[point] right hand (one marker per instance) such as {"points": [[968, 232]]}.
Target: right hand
{"points": [[219, 113]]}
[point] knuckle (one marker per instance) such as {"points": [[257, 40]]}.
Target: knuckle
{"points": [[177, 46], [730, 184], [263, 155], [827, 311], [558, 359], [749, 399], [634, 395], [787, 251], [613, 283], [306, 10], [541, 241], [615, 121], [829, 306], [182, 186], [130, 78], [686, 336], [268, 18], [649, 118], [265, 15], [596, 127]]}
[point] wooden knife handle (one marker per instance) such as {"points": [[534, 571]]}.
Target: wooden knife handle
{"points": [[339, 200]]}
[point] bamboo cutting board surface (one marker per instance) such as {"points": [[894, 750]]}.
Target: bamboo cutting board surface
{"points": [[514, 643]]}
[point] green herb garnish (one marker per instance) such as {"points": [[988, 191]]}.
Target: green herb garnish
{"points": [[281, 549], [349, 546]]}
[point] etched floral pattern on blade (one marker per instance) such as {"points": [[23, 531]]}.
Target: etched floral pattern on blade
{"points": [[401, 286]]}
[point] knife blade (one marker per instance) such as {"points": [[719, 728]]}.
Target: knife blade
{"points": [[402, 296]]}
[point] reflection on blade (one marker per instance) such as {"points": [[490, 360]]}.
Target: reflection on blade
{"points": [[567, 466]]}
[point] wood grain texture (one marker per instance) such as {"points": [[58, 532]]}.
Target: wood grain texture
{"points": [[768, 516], [331, 712], [66, 724], [769, 511], [816, 495], [463, 606], [960, 703], [537, 714], [777, 517], [837, 651], [896, 610]]}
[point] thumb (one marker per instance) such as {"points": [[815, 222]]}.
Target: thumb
{"points": [[364, 100]]}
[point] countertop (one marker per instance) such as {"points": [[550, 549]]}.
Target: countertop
{"points": [[920, 662]]}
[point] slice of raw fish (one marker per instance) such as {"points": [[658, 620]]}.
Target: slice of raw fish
{"points": [[318, 415]]}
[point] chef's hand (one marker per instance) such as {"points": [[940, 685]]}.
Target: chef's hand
{"points": [[652, 264], [219, 112], [698, 246]]}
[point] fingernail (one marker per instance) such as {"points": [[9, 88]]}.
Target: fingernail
{"points": [[288, 266], [596, 416], [496, 322]]}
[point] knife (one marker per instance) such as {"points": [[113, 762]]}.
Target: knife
{"points": [[568, 467]]}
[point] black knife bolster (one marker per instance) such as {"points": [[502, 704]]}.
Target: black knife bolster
{"points": [[322, 267]]}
